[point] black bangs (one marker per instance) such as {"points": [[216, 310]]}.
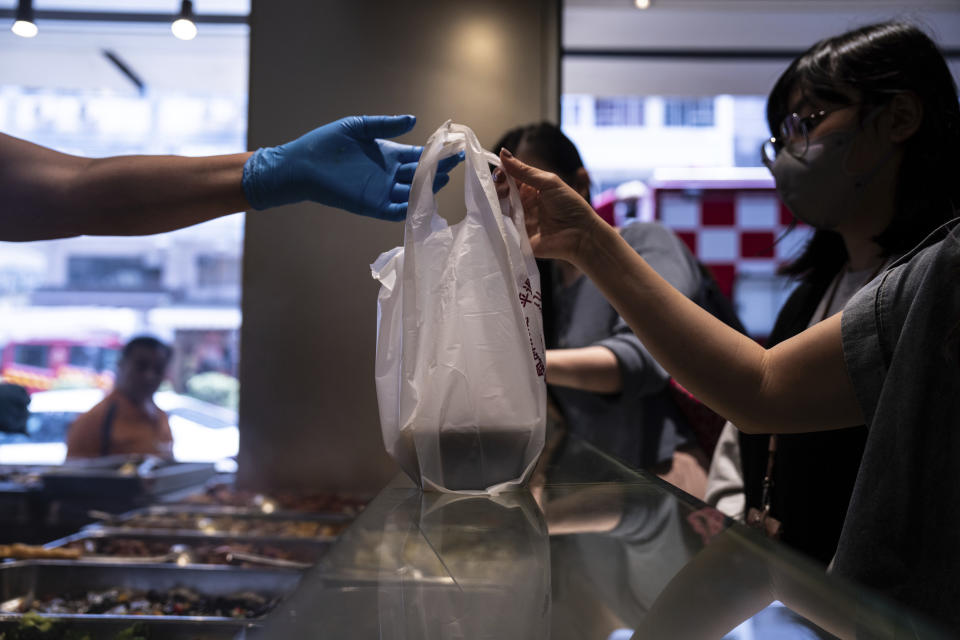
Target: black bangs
{"points": [[877, 62]]}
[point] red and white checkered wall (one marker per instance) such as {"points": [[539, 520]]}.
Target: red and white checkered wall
{"points": [[732, 231]]}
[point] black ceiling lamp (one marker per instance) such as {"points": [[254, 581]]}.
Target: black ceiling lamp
{"points": [[24, 25], [184, 27]]}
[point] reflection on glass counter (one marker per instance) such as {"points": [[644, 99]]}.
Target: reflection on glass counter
{"points": [[622, 556]]}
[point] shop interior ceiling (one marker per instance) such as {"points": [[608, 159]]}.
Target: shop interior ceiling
{"points": [[719, 46], [744, 23], [76, 55], [216, 61]]}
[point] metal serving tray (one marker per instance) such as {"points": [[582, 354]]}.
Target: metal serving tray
{"points": [[308, 547], [38, 577], [74, 480], [238, 512], [121, 523], [159, 629]]}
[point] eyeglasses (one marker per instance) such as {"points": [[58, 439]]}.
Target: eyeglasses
{"points": [[794, 135]]}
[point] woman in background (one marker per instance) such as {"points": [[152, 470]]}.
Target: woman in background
{"points": [[611, 391]]}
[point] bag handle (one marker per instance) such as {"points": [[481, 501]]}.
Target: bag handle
{"points": [[424, 220], [446, 141]]}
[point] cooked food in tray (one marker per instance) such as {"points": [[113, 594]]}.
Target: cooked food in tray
{"points": [[235, 552], [33, 626], [233, 525], [21, 476], [226, 495], [19, 551], [180, 601]]}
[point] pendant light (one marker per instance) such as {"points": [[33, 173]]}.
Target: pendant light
{"points": [[23, 25], [183, 27]]}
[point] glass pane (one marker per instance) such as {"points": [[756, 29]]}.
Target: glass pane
{"points": [[693, 163], [84, 356], [32, 355], [71, 304]]}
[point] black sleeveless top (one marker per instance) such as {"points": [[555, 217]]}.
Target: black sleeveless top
{"points": [[813, 473]]}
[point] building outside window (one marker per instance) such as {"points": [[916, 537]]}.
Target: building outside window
{"points": [[618, 112], [688, 112], [70, 304], [108, 272]]}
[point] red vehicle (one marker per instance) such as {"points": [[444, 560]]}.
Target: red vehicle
{"points": [[43, 364]]}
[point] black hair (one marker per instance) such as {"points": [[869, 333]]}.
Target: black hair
{"points": [[549, 143], [879, 61], [145, 342]]}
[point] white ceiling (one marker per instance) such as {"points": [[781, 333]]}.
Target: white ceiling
{"points": [[68, 55]]}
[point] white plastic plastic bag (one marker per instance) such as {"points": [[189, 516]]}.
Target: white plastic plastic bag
{"points": [[460, 356]]}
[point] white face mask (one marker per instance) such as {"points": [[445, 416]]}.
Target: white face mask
{"points": [[817, 188]]}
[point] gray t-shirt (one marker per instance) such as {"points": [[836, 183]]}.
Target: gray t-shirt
{"points": [[641, 425], [901, 344]]}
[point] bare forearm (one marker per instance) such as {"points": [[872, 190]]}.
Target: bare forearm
{"points": [[46, 194], [140, 195], [589, 369], [759, 390]]}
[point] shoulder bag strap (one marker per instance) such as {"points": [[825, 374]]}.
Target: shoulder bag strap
{"points": [[106, 430]]}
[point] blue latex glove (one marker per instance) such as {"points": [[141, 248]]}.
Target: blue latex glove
{"points": [[343, 164]]}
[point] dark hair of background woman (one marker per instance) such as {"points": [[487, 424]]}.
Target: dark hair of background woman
{"points": [[548, 142], [550, 145], [880, 61]]}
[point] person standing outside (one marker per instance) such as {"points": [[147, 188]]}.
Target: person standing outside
{"points": [[127, 421]]}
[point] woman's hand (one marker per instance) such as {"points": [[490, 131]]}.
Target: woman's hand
{"points": [[560, 223], [503, 192]]}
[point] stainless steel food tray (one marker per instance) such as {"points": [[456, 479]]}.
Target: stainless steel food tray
{"points": [[159, 629], [32, 578], [201, 535], [238, 512], [120, 523], [90, 480], [310, 546]]}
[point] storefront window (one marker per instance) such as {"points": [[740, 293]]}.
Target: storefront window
{"points": [[69, 305], [688, 112], [693, 163]]}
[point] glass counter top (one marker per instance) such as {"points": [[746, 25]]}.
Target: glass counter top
{"points": [[593, 550]]}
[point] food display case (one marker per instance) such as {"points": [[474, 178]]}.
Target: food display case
{"points": [[198, 571], [41, 502], [591, 550]]}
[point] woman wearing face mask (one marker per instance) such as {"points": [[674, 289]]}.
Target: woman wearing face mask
{"points": [[869, 203], [891, 359]]}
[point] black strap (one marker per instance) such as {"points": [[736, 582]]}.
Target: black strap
{"points": [[106, 430]]}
